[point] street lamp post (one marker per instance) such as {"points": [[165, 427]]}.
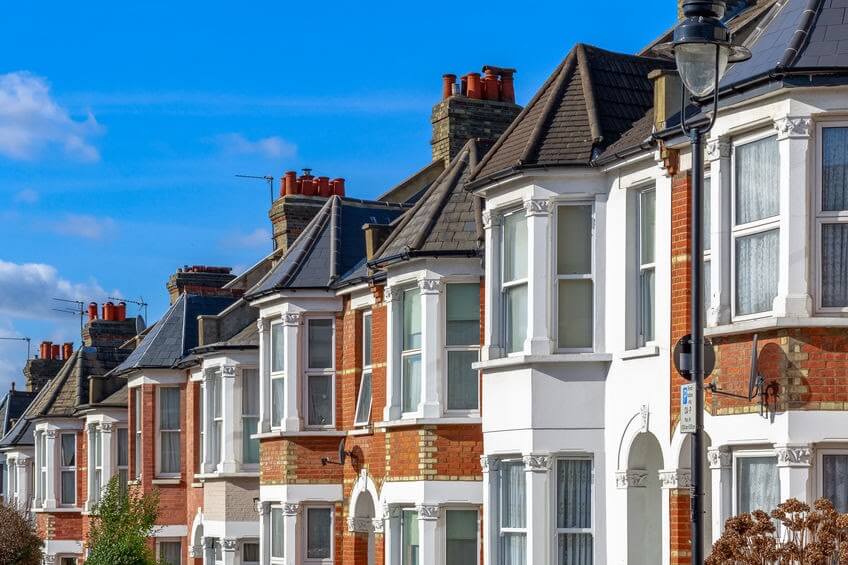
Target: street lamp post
{"points": [[702, 49]]}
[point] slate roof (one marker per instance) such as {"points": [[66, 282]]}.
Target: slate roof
{"points": [[330, 246], [12, 406], [445, 220], [174, 335], [592, 98], [118, 398]]}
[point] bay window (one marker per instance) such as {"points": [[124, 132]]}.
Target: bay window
{"points": [[832, 219], [278, 375], [409, 543], [462, 345], [574, 511], [363, 401], [249, 416], [95, 438], [647, 265], [216, 416], [757, 483], [169, 430], [319, 535], [833, 468], [278, 553], [755, 231], [250, 553], [575, 279], [411, 351], [123, 457], [68, 469], [319, 372], [514, 280], [512, 513], [461, 540]]}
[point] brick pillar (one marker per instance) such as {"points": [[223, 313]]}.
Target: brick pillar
{"points": [[681, 277], [360, 548], [680, 538]]}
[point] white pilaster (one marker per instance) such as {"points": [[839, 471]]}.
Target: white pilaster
{"points": [[721, 476], [793, 292], [492, 347], [109, 451], [228, 418], [537, 470], [489, 466], [264, 509], [51, 450], [718, 154], [391, 298], [291, 336], [428, 516], [290, 537], [263, 329], [392, 534], [793, 467], [431, 290], [228, 551], [206, 388], [538, 341], [22, 467]]}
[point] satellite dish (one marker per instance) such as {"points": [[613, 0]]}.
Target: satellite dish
{"points": [[342, 457], [342, 452], [755, 381]]}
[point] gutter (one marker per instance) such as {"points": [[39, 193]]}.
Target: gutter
{"points": [[407, 255]]}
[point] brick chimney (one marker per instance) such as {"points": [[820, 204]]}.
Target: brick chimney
{"points": [[477, 107], [39, 371], [201, 279], [111, 329], [300, 199]]}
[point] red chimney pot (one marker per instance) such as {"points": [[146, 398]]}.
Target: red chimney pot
{"points": [[307, 186], [491, 86], [463, 87], [448, 82], [339, 186], [474, 85], [109, 311], [290, 183], [324, 187], [121, 311], [92, 311], [67, 350], [54, 351]]}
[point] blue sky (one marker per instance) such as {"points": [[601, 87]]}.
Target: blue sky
{"points": [[122, 125]]}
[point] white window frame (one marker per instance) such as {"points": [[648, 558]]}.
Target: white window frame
{"points": [[41, 467], [708, 253], [243, 415], [94, 431], [367, 368], [137, 447], [275, 375], [743, 454], [448, 348], [312, 372], [276, 560], [819, 476], [592, 276], [258, 548], [319, 561], [214, 422], [118, 466], [642, 267], [12, 469], [444, 537], [820, 218], [66, 469], [751, 228], [404, 353], [160, 431], [160, 541], [497, 525], [402, 529], [504, 285], [553, 502], [60, 558]]}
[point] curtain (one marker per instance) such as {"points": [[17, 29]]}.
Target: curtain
{"points": [[463, 314], [574, 240], [411, 319], [169, 411], [95, 494], [277, 348], [319, 530], [215, 443], [461, 537], [250, 553], [513, 548], [170, 552], [409, 537], [68, 481], [513, 513], [250, 446], [835, 479], [278, 397], [756, 271], [574, 493], [834, 271], [575, 549], [515, 246], [170, 462], [462, 380], [68, 450], [363, 405], [576, 310], [277, 538], [320, 345], [515, 309], [758, 484], [250, 415], [757, 188], [411, 382], [123, 448], [834, 169], [320, 393]]}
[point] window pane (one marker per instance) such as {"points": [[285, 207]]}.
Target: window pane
{"points": [[250, 446], [411, 319], [646, 304], [250, 392], [463, 314], [574, 493], [409, 541], [574, 240], [575, 549], [515, 317], [647, 223], [169, 414], [461, 537], [96, 486], [215, 443], [320, 393], [462, 380], [512, 495], [319, 531], [513, 548], [576, 310], [170, 552], [834, 268], [756, 272], [756, 181], [277, 348], [277, 532], [123, 448], [707, 214], [214, 383], [363, 403], [320, 344], [758, 484], [515, 246], [278, 397], [68, 480], [707, 287], [69, 450], [835, 481], [411, 382], [170, 462], [834, 169], [250, 552], [366, 339], [97, 447]]}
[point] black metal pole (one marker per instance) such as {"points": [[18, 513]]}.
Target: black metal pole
{"points": [[697, 314]]}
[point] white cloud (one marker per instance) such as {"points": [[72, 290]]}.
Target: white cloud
{"points": [[271, 147], [257, 238], [83, 225], [27, 196], [31, 121]]}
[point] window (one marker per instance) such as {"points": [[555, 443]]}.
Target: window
{"points": [[755, 231], [512, 514], [363, 401], [12, 464], [169, 430], [319, 372], [278, 376], [250, 553], [249, 416], [216, 417], [137, 415], [96, 454], [832, 219], [575, 285], [411, 351], [409, 537], [574, 511], [170, 552], [123, 457], [68, 561], [514, 280], [277, 534], [757, 484], [834, 479], [41, 461], [319, 535], [67, 469], [461, 546], [462, 344], [647, 265], [707, 244]]}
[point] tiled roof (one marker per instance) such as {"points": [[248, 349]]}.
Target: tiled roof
{"points": [[118, 398], [331, 245], [12, 407], [592, 98], [445, 220]]}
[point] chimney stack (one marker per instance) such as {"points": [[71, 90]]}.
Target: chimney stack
{"points": [[200, 279]]}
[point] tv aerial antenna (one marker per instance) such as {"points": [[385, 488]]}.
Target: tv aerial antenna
{"points": [[343, 455], [142, 305], [267, 178], [756, 382], [75, 307], [26, 339]]}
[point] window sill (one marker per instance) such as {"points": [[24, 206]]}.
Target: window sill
{"points": [[641, 352], [58, 510], [772, 323], [167, 481], [362, 431], [429, 422], [519, 360], [237, 475], [304, 433]]}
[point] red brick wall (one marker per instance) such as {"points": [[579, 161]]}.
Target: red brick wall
{"points": [[680, 527], [681, 278], [59, 526]]}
